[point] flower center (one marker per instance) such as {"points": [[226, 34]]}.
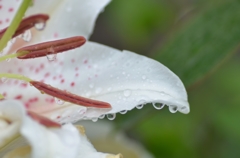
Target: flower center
{"points": [[45, 49]]}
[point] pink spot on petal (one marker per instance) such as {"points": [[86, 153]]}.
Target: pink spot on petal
{"points": [[85, 61], [61, 63], [76, 68], [76, 74], [4, 94], [47, 75], [19, 70], [72, 84], [42, 66], [62, 80], [55, 35], [18, 97], [24, 85], [37, 70], [27, 105], [10, 9], [73, 60]]}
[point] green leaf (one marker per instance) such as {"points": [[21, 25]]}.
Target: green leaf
{"points": [[203, 43]]}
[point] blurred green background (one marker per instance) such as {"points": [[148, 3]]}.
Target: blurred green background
{"points": [[198, 40]]}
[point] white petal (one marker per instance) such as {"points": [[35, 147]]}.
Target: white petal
{"points": [[123, 79], [8, 9], [88, 151], [48, 142], [68, 17]]}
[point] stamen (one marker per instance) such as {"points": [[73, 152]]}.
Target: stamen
{"points": [[52, 47], [27, 23], [15, 76], [9, 56], [69, 97], [43, 120], [1, 97]]}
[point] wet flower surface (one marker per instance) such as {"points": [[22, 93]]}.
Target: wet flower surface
{"points": [[121, 78]]}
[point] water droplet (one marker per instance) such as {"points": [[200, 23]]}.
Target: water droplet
{"points": [[26, 36], [91, 85], [123, 72], [94, 119], [127, 93], [3, 79], [51, 57], [40, 26], [140, 106], [98, 90], [173, 109], [13, 40], [8, 60], [59, 101], [123, 112], [88, 94], [144, 77], [109, 89], [101, 117], [69, 9], [111, 116], [158, 106]]}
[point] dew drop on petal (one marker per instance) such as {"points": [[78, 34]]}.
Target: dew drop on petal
{"points": [[127, 93], [109, 89], [40, 26], [140, 106], [101, 117], [8, 60], [59, 101], [111, 116], [158, 106], [173, 109], [95, 119], [91, 85], [144, 77], [13, 40], [51, 57], [3, 79], [26, 36], [98, 90], [123, 112]]}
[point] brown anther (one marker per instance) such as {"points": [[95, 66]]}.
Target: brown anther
{"points": [[69, 97], [43, 120], [27, 23], [52, 47]]}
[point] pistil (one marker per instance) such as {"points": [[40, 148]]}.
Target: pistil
{"points": [[51, 47], [69, 97]]}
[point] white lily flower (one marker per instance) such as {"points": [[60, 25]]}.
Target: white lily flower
{"points": [[121, 78], [21, 136]]}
